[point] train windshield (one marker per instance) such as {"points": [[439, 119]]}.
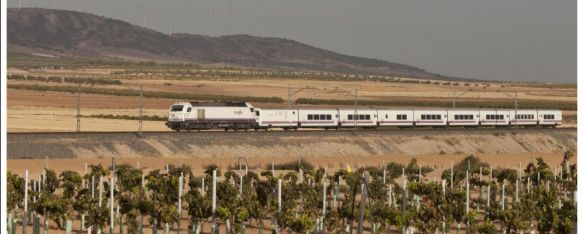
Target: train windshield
{"points": [[177, 108]]}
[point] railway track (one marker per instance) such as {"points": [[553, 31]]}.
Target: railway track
{"points": [[396, 131]]}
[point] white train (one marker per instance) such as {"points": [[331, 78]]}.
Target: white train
{"points": [[242, 115]]}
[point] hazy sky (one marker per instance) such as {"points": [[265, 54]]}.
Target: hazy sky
{"points": [[521, 40]]}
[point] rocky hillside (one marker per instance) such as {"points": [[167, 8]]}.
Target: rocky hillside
{"points": [[69, 33]]}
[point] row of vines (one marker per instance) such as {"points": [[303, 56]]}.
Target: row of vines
{"points": [[470, 197]]}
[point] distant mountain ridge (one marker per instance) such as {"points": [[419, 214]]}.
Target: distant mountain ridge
{"points": [[61, 32]]}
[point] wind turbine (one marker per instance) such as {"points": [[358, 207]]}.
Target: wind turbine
{"points": [[116, 4], [232, 18], [171, 19], [212, 23], [144, 7]]}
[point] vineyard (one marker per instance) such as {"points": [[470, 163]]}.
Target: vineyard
{"points": [[471, 197]]}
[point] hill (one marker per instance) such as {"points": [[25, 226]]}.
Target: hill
{"points": [[70, 33]]}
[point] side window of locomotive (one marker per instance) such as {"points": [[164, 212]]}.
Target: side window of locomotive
{"points": [[310, 117], [256, 113], [189, 109], [251, 109]]}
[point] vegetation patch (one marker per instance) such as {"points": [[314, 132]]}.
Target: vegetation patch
{"points": [[128, 117], [147, 94], [74, 80]]}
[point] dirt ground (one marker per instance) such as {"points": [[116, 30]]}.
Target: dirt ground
{"points": [[437, 162], [52, 111]]}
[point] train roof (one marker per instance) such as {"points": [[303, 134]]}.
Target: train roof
{"points": [[219, 104]]}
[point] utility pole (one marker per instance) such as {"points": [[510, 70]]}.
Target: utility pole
{"points": [[291, 92], [453, 94], [515, 107], [515, 97], [141, 110], [288, 96], [355, 108], [79, 107]]}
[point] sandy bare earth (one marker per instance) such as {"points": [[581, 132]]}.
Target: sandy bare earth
{"points": [[27, 119], [438, 162]]}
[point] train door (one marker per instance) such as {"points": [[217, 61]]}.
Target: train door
{"points": [[200, 114]]}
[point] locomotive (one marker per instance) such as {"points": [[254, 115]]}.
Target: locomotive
{"points": [[243, 116]]}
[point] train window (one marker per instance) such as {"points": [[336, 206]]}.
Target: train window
{"points": [[328, 117], [293, 112], [422, 117], [189, 109], [256, 113], [387, 116], [177, 108], [404, 117], [310, 117], [349, 117], [251, 109], [367, 117], [316, 117]]}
